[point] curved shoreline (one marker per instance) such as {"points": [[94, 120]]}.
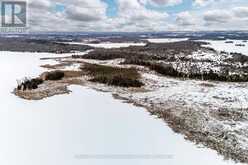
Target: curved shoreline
{"points": [[199, 124]]}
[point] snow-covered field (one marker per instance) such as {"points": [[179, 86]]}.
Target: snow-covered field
{"points": [[229, 47], [108, 45], [216, 108], [194, 92], [166, 40], [65, 129]]}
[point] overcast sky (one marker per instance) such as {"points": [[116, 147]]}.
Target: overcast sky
{"points": [[137, 15]]}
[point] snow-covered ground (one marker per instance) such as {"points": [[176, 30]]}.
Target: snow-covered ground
{"points": [[108, 45], [201, 55], [218, 107], [65, 129], [166, 40], [229, 47], [201, 93]]}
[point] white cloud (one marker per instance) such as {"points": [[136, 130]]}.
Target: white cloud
{"points": [[134, 15], [43, 4], [229, 19], [185, 19], [200, 2], [217, 16], [133, 10], [164, 2], [241, 12], [77, 14], [206, 2], [86, 12]]}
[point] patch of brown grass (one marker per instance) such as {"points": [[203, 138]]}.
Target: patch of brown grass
{"points": [[123, 77], [70, 74]]}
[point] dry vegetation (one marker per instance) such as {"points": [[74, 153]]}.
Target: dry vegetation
{"points": [[163, 51], [113, 76], [53, 76], [123, 77], [172, 59], [169, 70], [33, 45], [29, 84], [71, 73]]}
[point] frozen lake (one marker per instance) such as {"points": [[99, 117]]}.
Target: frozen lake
{"points": [[63, 129]]}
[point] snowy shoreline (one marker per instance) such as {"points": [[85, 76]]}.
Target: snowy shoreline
{"points": [[82, 126], [211, 113], [206, 112]]}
